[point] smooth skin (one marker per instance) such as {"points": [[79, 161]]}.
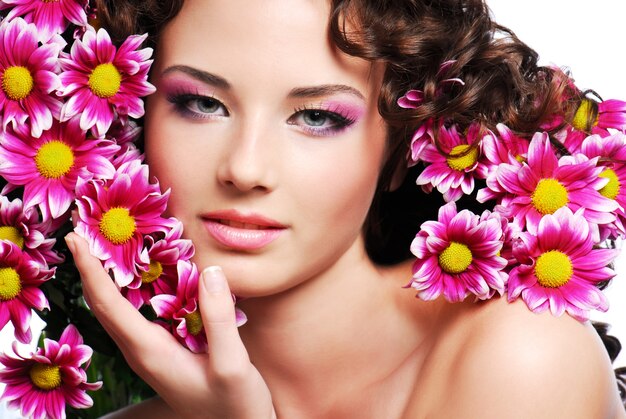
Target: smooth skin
{"points": [[331, 334]]}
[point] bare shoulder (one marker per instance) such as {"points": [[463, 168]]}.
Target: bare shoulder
{"points": [[510, 362]]}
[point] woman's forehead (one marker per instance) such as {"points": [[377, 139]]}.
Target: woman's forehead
{"points": [[265, 39], [258, 23]]}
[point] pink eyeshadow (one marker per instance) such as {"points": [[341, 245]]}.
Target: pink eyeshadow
{"points": [[348, 110], [173, 84]]}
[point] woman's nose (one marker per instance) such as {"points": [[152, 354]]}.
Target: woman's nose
{"points": [[248, 161]]}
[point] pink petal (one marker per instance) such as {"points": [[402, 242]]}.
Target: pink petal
{"points": [[164, 305], [105, 51], [74, 12]]}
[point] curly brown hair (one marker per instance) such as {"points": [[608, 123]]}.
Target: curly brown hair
{"points": [[503, 83]]}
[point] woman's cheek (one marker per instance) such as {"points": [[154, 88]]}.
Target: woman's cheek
{"points": [[337, 185]]}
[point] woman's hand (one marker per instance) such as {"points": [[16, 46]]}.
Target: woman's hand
{"points": [[223, 384]]}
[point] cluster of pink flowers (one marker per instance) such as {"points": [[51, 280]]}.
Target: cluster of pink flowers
{"points": [[557, 201], [67, 155], [40, 384]]}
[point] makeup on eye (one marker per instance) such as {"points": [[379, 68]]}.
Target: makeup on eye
{"points": [[190, 98], [197, 106], [318, 120], [324, 119]]}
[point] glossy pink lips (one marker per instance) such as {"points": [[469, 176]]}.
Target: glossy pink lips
{"points": [[241, 232]]}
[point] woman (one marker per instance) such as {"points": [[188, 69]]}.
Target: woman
{"points": [[269, 134]]}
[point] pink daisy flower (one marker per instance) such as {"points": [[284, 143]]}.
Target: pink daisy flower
{"points": [[48, 167], [41, 384], [595, 118], [510, 233], [114, 216], [182, 309], [452, 173], [505, 148], [544, 184], [458, 255], [20, 279], [606, 114], [28, 77], [160, 275], [22, 227], [612, 153], [102, 82], [50, 17], [560, 267]]}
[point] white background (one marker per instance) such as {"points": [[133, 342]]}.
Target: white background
{"points": [[589, 38]]}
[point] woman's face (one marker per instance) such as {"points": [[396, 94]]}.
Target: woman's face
{"points": [[268, 137]]}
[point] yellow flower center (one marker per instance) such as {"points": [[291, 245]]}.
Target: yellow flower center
{"points": [[520, 158], [611, 189], [583, 117], [155, 271], [455, 258], [45, 377], [549, 196], [117, 225], [10, 284], [54, 159], [12, 234], [105, 80], [462, 156], [17, 82], [553, 269], [194, 322]]}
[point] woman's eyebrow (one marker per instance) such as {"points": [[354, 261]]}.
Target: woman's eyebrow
{"points": [[200, 75], [323, 90], [298, 92]]}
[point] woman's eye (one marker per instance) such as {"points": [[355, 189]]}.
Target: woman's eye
{"points": [[314, 118], [198, 106], [319, 122], [206, 105]]}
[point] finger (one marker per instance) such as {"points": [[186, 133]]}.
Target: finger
{"points": [[116, 314], [218, 317]]}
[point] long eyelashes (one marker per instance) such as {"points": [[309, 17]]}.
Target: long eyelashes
{"points": [[319, 120], [197, 106]]}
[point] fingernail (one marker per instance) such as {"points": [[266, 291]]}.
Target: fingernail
{"points": [[214, 280], [70, 243]]}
